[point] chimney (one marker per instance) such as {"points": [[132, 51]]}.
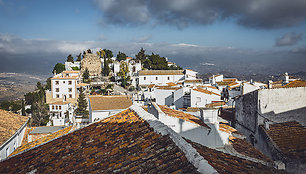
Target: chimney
{"points": [[286, 77], [270, 84], [267, 124]]}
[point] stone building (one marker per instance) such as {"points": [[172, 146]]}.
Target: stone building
{"points": [[93, 63]]}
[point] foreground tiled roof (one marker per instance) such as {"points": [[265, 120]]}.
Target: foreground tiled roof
{"points": [[41, 140], [290, 137], [9, 124], [225, 163], [161, 72], [182, 115], [245, 148], [100, 102], [123, 143], [295, 83], [205, 91]]}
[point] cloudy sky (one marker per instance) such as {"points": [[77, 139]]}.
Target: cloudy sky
{"points": [[229, 35]]}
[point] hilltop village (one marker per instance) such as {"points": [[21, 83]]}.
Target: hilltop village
{"points": [[144, 114]]}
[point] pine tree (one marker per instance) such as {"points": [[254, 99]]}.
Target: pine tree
{"points": [[79, 57], [86, 74], [82, 105], [23, 108], [105, 70], [70, 58], [141, 55]]}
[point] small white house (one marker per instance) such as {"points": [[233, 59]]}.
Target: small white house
{"points": [[192, 83], [160, 77], [164, 95], [12, 129], [200, 97], [58, 115], [204, 131], [101, 107], [190, 74]]}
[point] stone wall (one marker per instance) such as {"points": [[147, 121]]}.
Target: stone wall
{"points": [[93, 63]]}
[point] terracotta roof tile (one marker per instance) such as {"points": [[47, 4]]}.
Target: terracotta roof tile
{"points": [[123, 143], [215, 104], [161, 72], [295, 83], [9, 124], [41, 140], [225, 163], [290, 137], [171, 84], [245, 148], [100, 102], [168, 87], [226, 83], [182, 115], [205, 91], [194, 81]]}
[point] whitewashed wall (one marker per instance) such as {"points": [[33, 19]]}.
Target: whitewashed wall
{"points": [[13, 143]]}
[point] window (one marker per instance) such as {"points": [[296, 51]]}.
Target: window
{"points": [[168, 78], [56, 107], [70, 95], [56, 89], [156, 78], [198, 99], [7, 152], [57, 96], [144, 78], [53, 107], [64, 81], [69, 89], [69, 82], [56, 82], [60, 107]]}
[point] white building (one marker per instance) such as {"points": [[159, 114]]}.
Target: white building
{"points": [[101, 107], [164, 95], [12, 129], [63, 85], [190, 74], [192, 83], [205, 131], [200, 97], [160, 77], [58, 115]]}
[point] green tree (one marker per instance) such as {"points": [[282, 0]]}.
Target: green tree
{"points": [[106, 69], [108, 53], [141, 55], [48, 84], [82, 105], [58, 68], [79, 57], [146, 63], [157, 62], [89, 51], [101, 53], [86, 74], [5, 105], [23, 112], [70, 58], [123, 73], [121, 56]]}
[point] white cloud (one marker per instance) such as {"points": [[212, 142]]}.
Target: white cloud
{"points": [[289, 39]]}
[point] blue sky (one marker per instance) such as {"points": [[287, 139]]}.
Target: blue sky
{"points": [[161, 26]]}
